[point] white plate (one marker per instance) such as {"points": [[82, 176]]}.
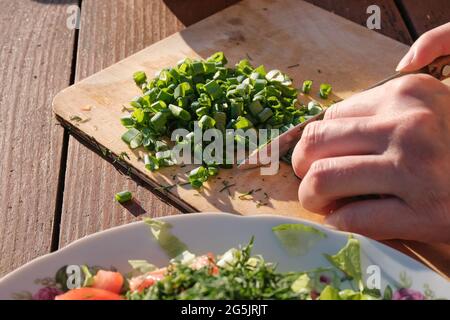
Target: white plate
{"points": [[217, 232]]}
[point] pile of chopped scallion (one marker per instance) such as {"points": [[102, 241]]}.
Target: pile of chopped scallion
{"points": [[218, 97]]}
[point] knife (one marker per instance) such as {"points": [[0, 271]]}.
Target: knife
{"points": [[439, 68]]}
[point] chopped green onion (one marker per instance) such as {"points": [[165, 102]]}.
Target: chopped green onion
{"points": [[140, 78], [151, 163], [179, 112], [218, 97], [325, 90], [206, 122], [307, 85], [123, 196]]}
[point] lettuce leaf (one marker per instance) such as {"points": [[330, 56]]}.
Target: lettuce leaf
{"points": [[142, 266], [297, 238], [329, 293], [169, 243], [348, 260]]}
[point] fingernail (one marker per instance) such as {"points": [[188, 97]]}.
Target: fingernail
{"points": [[406, 61]]}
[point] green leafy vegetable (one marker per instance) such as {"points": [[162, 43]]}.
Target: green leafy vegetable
{"points": [[297, 239], [348, 260], [143, 266], [168, 242]]}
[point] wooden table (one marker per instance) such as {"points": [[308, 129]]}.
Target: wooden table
{"points": [[53, 189]]}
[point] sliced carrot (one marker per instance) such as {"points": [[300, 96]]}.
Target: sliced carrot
{"points": [[88, 294], [108, 280]]}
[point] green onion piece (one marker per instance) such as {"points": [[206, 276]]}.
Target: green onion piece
{"points": [[325, 90], [182, 90], [255, 108], [197, 68], [140, 78], [206, 122], [265, 114], [221, 120], [242, 123], [161, 145], [218, 58], [198, 176], [213, 171], [214, 90], [127, 121], [179, 113], [133, 137], [123, 196], [151, 163], [307, 85], [159, 120], [140, 115], [165, 96], [314, 108], [259, 85], [202, 111]]}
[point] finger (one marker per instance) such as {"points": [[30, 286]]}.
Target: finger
{"points": [[379, 219], [336, 138], [332, 179], [358, 105], [426, 49]]}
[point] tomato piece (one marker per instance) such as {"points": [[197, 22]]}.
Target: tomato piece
{"points": [[108, 280], [206, 260], [145, 281], [89, 294]]}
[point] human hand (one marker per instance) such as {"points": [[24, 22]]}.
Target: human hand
{"points": [[430, 46], [393, 140]]}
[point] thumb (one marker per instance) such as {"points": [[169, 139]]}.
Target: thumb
{"points": [[426, 49], [380, 219]]}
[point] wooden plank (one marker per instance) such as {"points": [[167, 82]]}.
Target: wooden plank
{"points": [[392, 24], [110, 31], [256, 28], [425, 15], [36, 57]]}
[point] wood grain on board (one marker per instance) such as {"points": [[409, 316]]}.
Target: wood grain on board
{"points": [[257, 29], [392, 24], [426, 15], [36, 57], [110, 31]]}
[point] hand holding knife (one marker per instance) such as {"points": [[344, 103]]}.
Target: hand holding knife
{"points": [[439, 69]]}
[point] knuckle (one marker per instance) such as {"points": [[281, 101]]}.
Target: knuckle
{"points": [[318, 175], [311, 136], [332, 112], [412, 85]]}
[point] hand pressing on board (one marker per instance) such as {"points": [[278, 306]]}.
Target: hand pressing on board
{"points": [[393, 141]]}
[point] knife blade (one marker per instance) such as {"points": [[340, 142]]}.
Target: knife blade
{"points": [[439, 68]]}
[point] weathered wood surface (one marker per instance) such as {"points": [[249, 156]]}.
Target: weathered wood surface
{"points": [[392, 24], [110, 31], [425, 15], [35, 63]]}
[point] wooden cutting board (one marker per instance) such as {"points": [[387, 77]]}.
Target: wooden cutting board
{"points": [[300, 39]]}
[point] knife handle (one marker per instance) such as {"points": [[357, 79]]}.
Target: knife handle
{"points": [[439, 68]]}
